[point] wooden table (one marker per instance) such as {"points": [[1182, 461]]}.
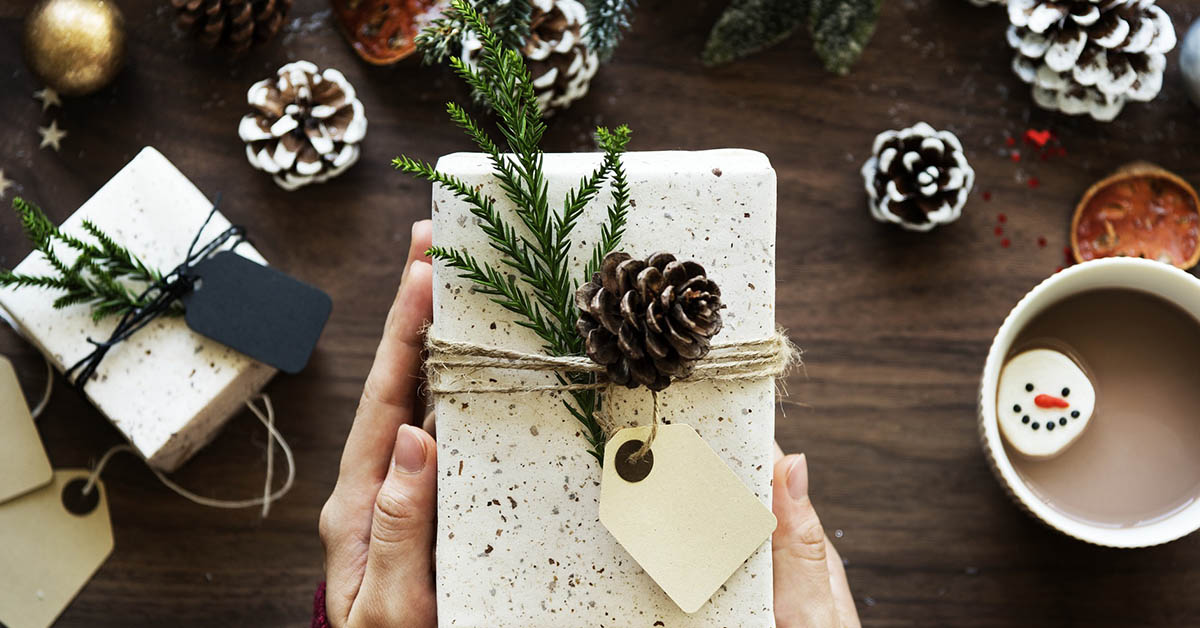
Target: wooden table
{"points": [[895, 325]]}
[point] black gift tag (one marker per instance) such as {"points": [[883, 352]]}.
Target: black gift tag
{"points": [[256, 310]]}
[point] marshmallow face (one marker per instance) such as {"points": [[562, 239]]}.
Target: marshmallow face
{"points": [[1044, 401]]}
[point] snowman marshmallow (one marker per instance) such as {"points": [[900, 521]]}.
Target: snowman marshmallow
{"points": [[1044, 402]]}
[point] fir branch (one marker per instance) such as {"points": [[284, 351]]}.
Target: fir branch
{"points": [[606, 20], [97, 277], [539, 290], [509, 19]]}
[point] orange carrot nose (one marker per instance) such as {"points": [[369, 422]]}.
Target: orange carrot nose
{"points": [[1050, 401]]}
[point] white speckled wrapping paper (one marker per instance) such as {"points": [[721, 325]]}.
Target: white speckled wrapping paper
{"points": [[519, 541], [168, 389]]}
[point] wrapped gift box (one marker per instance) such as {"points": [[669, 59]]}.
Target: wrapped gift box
{"points": [[166, 388], [519, 542]]}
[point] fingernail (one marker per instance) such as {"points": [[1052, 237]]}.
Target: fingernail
{"points": [[797, 478], [409, 456]]}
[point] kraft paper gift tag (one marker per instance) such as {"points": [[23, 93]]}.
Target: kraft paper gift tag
{"points": [[49, 551], [23, 463], [680, 512]]}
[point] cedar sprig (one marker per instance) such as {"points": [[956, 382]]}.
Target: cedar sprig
{"points": [[99, 276], [539, 288]]}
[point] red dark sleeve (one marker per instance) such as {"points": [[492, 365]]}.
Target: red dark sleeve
{"points": [[319, 619]]}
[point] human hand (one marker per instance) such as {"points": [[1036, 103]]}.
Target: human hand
{"points": [[378, 525], [811, 590]]}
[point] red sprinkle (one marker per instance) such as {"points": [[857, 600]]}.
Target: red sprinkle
{"points": [[1015, 155], [1005, 243], [1034, 182], [1042, 242], [987, 196], [1010, 141], [1038, 138], [999, 230], [1001, 218]]}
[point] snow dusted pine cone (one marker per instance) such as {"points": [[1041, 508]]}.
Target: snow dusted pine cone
{"points": [[235, 25], [560, 63], [305, 127], [648, 321], [917, 177], [1090, 56]]}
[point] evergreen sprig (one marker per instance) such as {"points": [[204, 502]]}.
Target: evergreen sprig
{"points": [[510, 20], [536, 248], [99, 276]]}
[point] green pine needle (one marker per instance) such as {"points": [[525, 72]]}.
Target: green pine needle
{"points": [[535, 249], [100, 276]]}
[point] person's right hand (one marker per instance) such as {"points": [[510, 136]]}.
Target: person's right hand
{"points": [[811, 590]]}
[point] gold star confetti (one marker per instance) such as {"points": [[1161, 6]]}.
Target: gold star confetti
{"points": [[51, 135], [49, 98], [4, 184]]}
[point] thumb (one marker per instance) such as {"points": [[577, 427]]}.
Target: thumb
{"points": [[397, 587], [803, 595]]}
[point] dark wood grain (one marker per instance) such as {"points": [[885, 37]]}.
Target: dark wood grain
{"points": [[895, 326]]}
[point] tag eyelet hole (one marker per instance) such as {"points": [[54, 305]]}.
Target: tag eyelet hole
{"points": [[630, 471], [76, 502]]}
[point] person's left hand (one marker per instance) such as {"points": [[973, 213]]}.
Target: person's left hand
{"points": [[378, 525]]}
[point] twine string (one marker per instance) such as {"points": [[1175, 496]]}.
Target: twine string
{"points": [[266, 416], [451, 364]]}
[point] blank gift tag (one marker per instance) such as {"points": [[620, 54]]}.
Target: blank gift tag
{"points": [[256, 310], [23, 462], [54, 539], [680, 512]]}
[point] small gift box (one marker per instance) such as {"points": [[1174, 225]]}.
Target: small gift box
{"points": [[519, 540], [168, 389]]}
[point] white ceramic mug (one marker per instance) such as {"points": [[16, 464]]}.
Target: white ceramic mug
{"points": [[1162, 280]]}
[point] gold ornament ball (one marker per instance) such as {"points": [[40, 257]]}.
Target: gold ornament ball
{"points": [[75, 46]]}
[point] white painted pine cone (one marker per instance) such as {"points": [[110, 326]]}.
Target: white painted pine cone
{"points": [[917, 177], [1090, 56], [560, 62], [306, 125]]}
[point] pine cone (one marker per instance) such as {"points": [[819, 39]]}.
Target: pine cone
{"points": [[1090, 56], [648, 321], [306, 125], [917, 178], [560, 62], [232, 24]]}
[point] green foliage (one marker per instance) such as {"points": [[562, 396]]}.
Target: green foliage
{"points": [[510, 21], [606, 20], [536, 283], [749, 26], [840, 29], [98, 275]]}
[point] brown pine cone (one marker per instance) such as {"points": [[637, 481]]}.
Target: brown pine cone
{"points": [[648, 321], [235, 25], [305, 127], [917, 177]]}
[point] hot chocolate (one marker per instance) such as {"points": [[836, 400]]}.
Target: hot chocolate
{"points": [[1139, 459]]}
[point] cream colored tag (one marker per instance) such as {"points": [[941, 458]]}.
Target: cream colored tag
{"points": [[23, 462], [48, 553], [689, 522]]}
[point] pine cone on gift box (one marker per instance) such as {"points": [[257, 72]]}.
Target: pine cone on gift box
{"points": [[648, 321], [1090, 56], [560, 62], [306, 125], [235, 25], [917, 177]]}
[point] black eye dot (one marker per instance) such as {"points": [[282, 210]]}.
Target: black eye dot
{"points": [[1028, 387], [1074, 414], [1066, 392], [1016, 408], [1062, 420], [1025, 419], [1049, 426], [1035, 425]]}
